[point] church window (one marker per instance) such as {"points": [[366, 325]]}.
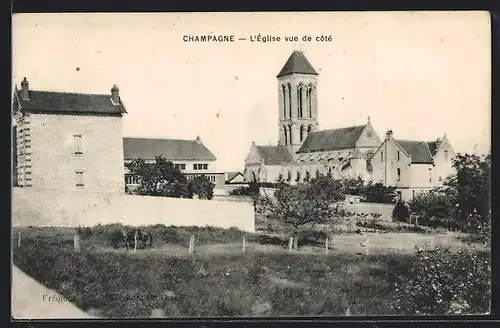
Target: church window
{"points": [[290, 140], [446, 154], [289, 101], [399, 174], [398, 155], [430, 175], [309, 129], [286, 135], [301, 133], [369, 167], [381, 157]]}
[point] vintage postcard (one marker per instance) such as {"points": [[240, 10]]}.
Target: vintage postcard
{"points": [[194, 165]]}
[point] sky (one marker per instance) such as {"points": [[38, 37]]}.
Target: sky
{"points": [[421, 74]]}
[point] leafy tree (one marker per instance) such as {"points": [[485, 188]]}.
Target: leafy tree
{"points": [[400, 212], [306, 203], [160, 178], [201, 186], [289, 177], [470, 189], [354, 186], [317, 173], [432, 208], [378, 193]]}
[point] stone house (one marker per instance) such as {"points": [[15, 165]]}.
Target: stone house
{"points": [[69, 141]]}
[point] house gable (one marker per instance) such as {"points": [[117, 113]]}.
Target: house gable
{"points": [[253, 156]]}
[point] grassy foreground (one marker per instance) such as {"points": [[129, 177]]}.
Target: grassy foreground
{"points": [[118, 284]]}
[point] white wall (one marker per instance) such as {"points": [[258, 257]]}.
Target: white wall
{"points": [[54, 162], [42, 207]]}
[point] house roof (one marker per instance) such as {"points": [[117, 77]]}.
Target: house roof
{"points": [[64, 102], [232, 175], [432, 147], [170, 149], [297, 63], [418, 150], [274, 155], [334, 139]]}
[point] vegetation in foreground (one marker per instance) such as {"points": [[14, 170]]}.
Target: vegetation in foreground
{"points": [[127, 284]]}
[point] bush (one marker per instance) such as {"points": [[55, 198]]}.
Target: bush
{"points": [[432, 209], [400, 212], [445, 283], [378, 193]]}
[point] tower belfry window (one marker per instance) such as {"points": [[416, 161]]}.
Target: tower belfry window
{"points": [[283, 91], [289, 101], [309, 101]]}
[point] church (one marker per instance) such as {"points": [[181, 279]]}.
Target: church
{"points": [[304, 152]]}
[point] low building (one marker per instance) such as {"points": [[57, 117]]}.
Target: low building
{"points": [[235, 180], [68, 141], [412, 166], [192, 157]]}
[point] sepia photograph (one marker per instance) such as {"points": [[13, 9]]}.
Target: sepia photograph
{"points": [[251, 165]]}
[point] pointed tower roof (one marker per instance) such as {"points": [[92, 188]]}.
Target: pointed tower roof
{"points": [[297, 63]]}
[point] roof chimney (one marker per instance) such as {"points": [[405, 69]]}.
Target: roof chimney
{"points": [[388, 135], [198, 140], [115, 94], [25, 91]]}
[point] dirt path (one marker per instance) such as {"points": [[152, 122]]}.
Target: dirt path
{"points": [[31, 300]]}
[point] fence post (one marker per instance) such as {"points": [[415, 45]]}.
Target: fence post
{"points": [[244, 245], [191, 244], [367, 247], [76, 242], [19, 239], [290, 244], [326, 245], [135, 241]]}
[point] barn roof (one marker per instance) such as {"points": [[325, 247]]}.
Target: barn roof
{"points": [[170, 149]]}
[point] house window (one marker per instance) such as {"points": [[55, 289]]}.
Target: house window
{"points": [[205, 166], [399, 195], [79, 179], [78, 143], [195, 166], [446, 154], [381, 157], [180, 166], [398, 155], [399, 174]]}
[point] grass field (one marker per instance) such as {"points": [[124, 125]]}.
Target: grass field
{"points": [[218, 279]]}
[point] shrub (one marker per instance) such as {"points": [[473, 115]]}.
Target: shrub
{"points": [[400, 212], [431, 208], [445, 283], [378, 193]]}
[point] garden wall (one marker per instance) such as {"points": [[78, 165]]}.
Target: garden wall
{"points": [[42, 207]]}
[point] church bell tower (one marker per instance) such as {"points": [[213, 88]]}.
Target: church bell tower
{"points": [[298, 105]]}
